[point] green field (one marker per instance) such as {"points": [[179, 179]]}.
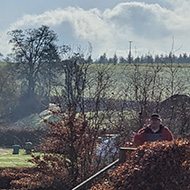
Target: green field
{"points": [[7, 159], [121, 79]]}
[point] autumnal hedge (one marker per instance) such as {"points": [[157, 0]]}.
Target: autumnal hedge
{"points": [[153, 166], [67, 157], [33, 178], [10, 136]]}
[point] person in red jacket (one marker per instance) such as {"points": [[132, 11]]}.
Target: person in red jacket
{"points": [[154, 131]]}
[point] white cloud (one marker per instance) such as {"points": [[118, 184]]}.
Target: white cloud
{"points": [[86, 25], [143, 20], [149, 26]]}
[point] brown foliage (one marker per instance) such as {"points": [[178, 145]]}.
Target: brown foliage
{"points": [[31, 178], [67, 157], [155, 166], [72, 142]]}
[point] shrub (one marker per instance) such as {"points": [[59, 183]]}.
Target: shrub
{"points": [[155, 166], [67, 158]]}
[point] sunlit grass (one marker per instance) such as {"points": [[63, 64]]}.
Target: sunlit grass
{"points": [[15, 160]]}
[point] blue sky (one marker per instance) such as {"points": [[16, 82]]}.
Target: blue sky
{"points": [[154, 27]]}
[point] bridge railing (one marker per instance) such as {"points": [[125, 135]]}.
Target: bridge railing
{"points": [[123, 152]]}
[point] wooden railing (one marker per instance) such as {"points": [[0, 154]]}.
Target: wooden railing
{"points": [[96, 175], [122, 158], [123, 153]]}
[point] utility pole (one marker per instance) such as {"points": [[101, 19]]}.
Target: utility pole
{"points": [[129, 56]]}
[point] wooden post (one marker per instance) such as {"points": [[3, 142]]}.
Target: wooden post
{"points": [[123, 153]]}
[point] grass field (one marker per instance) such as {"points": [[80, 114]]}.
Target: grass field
{"points": [[7, 159], [124, 77]]}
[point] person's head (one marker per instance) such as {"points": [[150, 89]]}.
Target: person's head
{"points": [[155, 120]]}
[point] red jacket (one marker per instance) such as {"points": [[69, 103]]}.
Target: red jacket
{"points": [[142, 135]]}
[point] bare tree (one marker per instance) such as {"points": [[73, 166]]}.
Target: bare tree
{"points": [[35, 52], [35, 57]]}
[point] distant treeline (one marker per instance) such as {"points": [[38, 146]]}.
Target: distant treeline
{"points": [[171, 58]]}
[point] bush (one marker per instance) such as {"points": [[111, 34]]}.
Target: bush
{"points": [[30, 179], [155, 166]]}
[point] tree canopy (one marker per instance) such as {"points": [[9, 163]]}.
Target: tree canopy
{"points": [[37, 52]]}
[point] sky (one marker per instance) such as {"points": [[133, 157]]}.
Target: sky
{"points": [[153, 26]]}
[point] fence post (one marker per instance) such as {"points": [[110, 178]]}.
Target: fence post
{"points": [[123, 153]]}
